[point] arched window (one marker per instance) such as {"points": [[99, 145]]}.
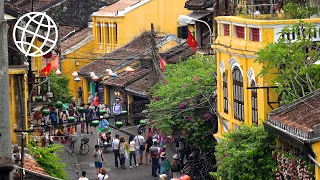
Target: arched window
{"points": [[254, 101], [225, 93], [99, 33], [238, 99]]}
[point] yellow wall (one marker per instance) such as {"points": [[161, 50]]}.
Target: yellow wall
{"points": [[316, 150], [159, 12], [73, 62], [14, 101]]}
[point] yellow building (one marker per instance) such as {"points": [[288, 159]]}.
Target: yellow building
{"points": [[119, 23], [238, 40]]}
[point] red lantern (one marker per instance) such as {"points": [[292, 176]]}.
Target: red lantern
{"points": [[49, 55]]}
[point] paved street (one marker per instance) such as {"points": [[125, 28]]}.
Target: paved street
{"points": [[142, 172]]}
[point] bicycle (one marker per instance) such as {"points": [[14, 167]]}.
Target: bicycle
{"points": [[84, 146]]}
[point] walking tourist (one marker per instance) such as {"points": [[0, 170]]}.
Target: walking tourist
{"points": [[139, 139], [96, 101], [147, 147], [154, 150], [180, 149], [123, 152], [133, 151], [117, 108], [164, 165], [80, 93], [115, 149], [83, 176], [176, 167], [90, 98], [103, 174], [98, 158], [107, 111], [89, 116]]}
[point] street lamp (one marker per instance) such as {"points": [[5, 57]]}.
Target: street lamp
{"points": [[77, 79], [185, 20], [129, 69], [95, 78], [75, 74], [58, 72]]}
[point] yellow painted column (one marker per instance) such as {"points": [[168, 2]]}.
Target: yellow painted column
{"points": [[129, 99], [106, 27], [110, 35], [316, 150], [103, 41], [12, 109], [106, 96]]}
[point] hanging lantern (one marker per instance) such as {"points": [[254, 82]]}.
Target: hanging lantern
{"points": [[109, 71], [124, 112], [45, 112], [38, 98], [95, 123], [77, 79], [119, 124], [102, 112], [58, 104], [113, 75], [81, 110], [71, 119], [58, 72], [143, 122], [91, 74], [129, 69], [75, 74], [95, 78], [49, 55]]}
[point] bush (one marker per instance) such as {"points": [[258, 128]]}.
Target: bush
{"points": [[245, 154], [47, 158]]}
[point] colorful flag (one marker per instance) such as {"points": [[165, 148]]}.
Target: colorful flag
{"points": [[55, 62], [192, 42], [162, 64], [46, 71]]}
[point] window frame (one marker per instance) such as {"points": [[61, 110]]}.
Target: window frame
{"points": [[238, 94], [254, 104], [225, 93]]}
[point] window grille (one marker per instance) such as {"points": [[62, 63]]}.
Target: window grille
{"points": [[240, 33], [238, 99], [225, 93], [254, 101], [226, 29]]}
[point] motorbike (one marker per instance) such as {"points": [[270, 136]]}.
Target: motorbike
{"points": [[104, 141]]}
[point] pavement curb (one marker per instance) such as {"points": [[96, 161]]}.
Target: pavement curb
{"points": [[123, 131]]}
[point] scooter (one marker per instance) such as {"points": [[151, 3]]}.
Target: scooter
{"points": [[104, 141]]}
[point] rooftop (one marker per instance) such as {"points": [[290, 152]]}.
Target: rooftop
{"points": [[126, 77], [78, 39], [141, 86], [173, 55], [38, 5], [199, 4], [121, 5], [300, 118]]}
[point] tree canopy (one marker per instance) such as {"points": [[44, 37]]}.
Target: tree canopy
{"points": [[295, 60], [183, 102], [59, 86]]}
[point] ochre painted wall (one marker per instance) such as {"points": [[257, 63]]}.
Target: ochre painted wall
{"points": [[316, 150], [159, 12]]}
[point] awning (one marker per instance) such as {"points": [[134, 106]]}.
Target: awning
{"points": [[199, 14]]}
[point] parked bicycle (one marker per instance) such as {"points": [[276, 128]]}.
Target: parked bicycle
{"points": [[84, 146]]}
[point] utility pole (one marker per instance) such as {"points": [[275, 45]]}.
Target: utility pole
{"points": [[5, 130], [155, 58]]}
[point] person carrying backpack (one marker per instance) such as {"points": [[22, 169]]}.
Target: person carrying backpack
{"points": [[175, 167], [89, 116]]}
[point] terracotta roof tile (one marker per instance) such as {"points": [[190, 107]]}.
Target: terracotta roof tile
{"points": [[76, 38], [198, 4], [126, 77], [15, 8], [38, 5], [32, 165], [173, 55], [302, 115], [118, 6], [99, 67], [142, 86]]}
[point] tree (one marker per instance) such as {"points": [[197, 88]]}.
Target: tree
{"points": [[183, 103], [294, 60], [245, 153], [59, 86]]}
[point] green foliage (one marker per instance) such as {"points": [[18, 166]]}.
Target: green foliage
{"points": [[47, 158], [297, 11], [245, 153], [59, 86], [182, 101], [297, 74]]}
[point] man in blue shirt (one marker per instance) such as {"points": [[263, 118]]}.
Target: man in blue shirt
{"points": [[89, 116], [117, 108]]}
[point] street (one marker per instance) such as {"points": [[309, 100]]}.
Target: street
{"points": [[142, 172]]}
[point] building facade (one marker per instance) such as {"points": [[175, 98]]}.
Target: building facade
{"points": [[244, 97], [119, 23]]}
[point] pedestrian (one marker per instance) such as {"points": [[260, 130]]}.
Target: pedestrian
{"points": [[98, 158], [133, 150], [80, 92], [154, 150], [107, 111], [123, 152], [117, 108], [175, 167], [115, 149], [163, 149], [103, 174], [140, 144], [89, 116], [83, 176], [82, 117], [180, 149], [164, 165], [96, 101], [147, 152], [90, 98]]}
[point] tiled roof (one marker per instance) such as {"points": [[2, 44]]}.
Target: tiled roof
{"points": [[198, 4], [141, 86], [38, 5], [114, 8], [173, 55], [126, 77], [65, 30], [99, 67], [15, 8], [300, 118], [75, 39]]}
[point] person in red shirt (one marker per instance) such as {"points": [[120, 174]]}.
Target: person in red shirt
{"points": [[96, 101]]}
